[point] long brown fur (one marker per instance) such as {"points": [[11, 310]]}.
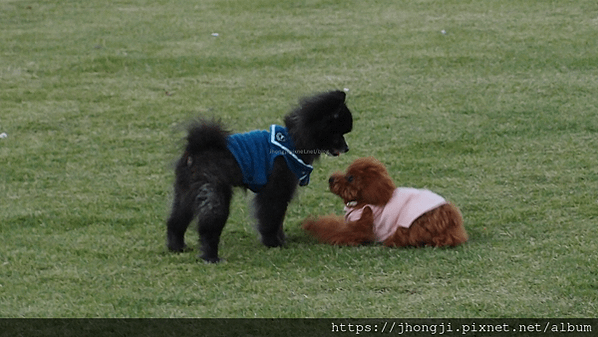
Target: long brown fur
{"points": [[367, 182]]}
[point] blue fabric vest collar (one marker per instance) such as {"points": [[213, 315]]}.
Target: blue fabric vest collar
{"points": [[280, 138]]}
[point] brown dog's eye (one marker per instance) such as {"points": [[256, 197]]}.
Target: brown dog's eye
{"points": [[349, 178]]}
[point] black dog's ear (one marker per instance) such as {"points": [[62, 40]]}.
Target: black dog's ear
{"points": [[337, 100], [339, 120], [318, 113], [341, 94], [338, 96]]}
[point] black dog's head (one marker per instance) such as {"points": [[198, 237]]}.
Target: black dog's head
{"points": [[318, 124]]}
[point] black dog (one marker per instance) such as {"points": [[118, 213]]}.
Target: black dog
{"points": [[270, 163]]}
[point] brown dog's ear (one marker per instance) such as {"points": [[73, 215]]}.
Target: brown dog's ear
{"points": [[376, 187], [378, 191]]}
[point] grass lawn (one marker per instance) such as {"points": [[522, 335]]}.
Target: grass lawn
{"points": [[492, 104]]}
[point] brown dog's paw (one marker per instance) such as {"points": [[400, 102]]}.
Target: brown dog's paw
{"points": [[367, 215]]}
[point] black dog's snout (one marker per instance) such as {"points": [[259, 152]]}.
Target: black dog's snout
{"points": [[331, 180]]}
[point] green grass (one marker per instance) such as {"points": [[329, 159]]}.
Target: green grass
{"points": [[499, 115]]}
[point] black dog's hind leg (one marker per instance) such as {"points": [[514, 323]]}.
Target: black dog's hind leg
{"points": [[212, 204], [271, 204], [180, 217]]}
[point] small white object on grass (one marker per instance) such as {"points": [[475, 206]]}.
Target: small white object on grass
{"points": [[443, 32], [346, 89], [215, 34], [3, 135]]}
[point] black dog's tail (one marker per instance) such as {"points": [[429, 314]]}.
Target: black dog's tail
{"points": [[206, 135]]}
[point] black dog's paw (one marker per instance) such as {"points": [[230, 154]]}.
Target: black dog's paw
{"points": [[176, 243], [185, 249], [208, 259], [178, 247], [273, 241]]}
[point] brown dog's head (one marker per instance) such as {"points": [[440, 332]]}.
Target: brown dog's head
{"points": [[366, 182]]}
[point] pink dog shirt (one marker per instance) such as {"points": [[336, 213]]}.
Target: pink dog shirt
{"points": [[405, 205]]}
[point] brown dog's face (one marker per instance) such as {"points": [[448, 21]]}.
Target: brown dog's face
{"points": [[365, 182]]}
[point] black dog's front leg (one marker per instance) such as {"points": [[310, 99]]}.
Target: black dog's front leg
{"points": [[271, 204]]}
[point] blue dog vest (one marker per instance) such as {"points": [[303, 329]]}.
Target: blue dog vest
{"points": [[255, 152]]}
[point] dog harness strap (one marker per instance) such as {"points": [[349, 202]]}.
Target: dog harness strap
{"points": [[255, 152]]}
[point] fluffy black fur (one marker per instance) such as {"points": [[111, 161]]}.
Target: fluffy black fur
{"points": [[207, 172]]}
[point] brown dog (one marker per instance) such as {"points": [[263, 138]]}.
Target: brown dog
{"points": [[377, 211]]}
